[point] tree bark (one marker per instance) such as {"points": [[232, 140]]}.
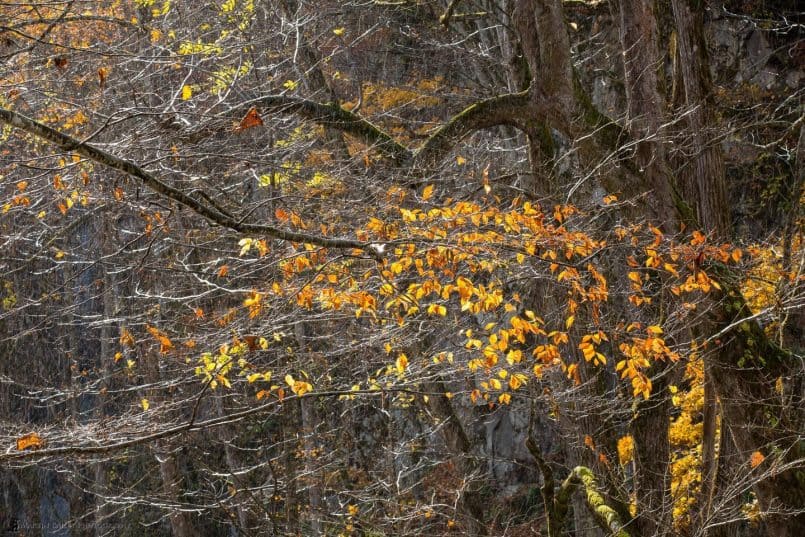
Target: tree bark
{"points": [[458, 444]]}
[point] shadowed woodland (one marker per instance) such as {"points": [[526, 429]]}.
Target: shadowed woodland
{"points": [[410, 267]]}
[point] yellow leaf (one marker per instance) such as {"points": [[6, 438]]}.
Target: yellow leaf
{"points": [[187, 92], [460, 160], [289, 380], [145, 404], [338, 31], [569, 321], [625, 449], [427, 192], [401, 363]]}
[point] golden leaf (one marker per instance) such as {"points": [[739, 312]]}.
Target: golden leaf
{"points": [[401, 364], [427, 192], [29, 441]]}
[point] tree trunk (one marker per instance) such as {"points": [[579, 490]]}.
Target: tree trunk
{"points": [[180, 522], [746, 365], [470, 503]]}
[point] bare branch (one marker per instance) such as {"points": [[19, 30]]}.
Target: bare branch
{"points": [[70, 144]]}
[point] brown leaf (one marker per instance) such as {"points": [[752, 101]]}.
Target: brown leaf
{"points": [[102, 73], [251, 119]]}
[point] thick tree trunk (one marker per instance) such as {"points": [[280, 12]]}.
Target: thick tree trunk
{"points": [[705, 175], [746, 365]]}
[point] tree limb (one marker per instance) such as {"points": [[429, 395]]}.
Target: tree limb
{"points": [[604, 515], [513, 109], [332, 115], [70, 144], [448, 13]]}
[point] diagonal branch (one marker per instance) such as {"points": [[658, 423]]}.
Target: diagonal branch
{"points": [[70, 144]]}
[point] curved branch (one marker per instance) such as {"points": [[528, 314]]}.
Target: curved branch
{"points": [[513, 109], [70, 144], [332, 115], [605, 516]]}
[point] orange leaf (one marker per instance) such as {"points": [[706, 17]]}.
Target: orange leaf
{"points": [[29, 441], [223, 271], [756, 459], [126, 338], [251, 119]]}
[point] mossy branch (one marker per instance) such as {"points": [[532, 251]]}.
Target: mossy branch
{"points": [[557, 501], [71, 144], [516, 109], [605, 516], [332, 115], [513, 109]]}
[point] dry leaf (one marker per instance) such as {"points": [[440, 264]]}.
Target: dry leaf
{"points": [[251, 119]]}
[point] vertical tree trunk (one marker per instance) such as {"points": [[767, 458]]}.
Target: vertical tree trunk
{"points": [[290, 442], [470, 503], [310, 425], [705, 176], [181, 524], [745, 366], [246, 522]]}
